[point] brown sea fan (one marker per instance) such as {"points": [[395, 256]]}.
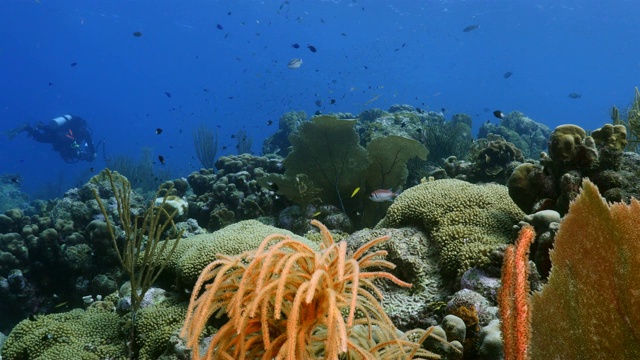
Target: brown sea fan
{"points": [[288, 301]]}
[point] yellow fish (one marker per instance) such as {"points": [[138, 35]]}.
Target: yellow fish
{"points": [[318, 213], [355, 191]]}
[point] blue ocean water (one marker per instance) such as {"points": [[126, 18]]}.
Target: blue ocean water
{"points": [[224, 63]]}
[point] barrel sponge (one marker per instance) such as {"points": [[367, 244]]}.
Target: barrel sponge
{"points": [[465, 220], [77, 334], [194, 253], [155, 326]]}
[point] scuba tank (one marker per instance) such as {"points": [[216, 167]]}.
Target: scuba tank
{"points": [[59, 121]]}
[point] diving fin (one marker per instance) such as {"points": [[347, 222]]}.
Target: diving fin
{"points": [[13, 132]]}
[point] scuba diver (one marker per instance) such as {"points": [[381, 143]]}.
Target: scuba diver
{"points": [[69, 134]]}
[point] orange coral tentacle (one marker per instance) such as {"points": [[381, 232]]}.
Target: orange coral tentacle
{"points": [[282, 282], [505, 302], [313, 284], [354, 291], [522, 316], [386, 275], [369, 245], [342, 253], [294, 319], [327, 238]]}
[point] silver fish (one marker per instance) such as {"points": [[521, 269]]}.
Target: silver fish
{"points": [[382, 195], [294, 63]]}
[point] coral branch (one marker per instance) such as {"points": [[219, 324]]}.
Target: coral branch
{"points": [[513, 298]]}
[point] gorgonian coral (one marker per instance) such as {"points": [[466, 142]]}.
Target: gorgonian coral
{"points": [[288, 301]]}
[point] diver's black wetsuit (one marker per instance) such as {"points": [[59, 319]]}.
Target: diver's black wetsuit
{"points": [[69, 135]]}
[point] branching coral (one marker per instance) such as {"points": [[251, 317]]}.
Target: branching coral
{"points": [[288, 301]]}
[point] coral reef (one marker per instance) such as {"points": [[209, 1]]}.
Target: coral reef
{"points": [[555, 180], [327, 150], [465, 220], [274, 296], [417, 262], [490, 342], [77, 334], [233, 193], [69, 236], [527, 135], [194, 253], [589, 305], [99, 333], [278, 143], [10, 195], [327, 163]]}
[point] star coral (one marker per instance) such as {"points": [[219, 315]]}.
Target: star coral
{"points": [[289, 301]]}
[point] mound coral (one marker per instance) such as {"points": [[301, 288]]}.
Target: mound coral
{"points": [[466, 221], [289, 301], [194, 253]]}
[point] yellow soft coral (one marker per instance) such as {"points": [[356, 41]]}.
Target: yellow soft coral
{"points": [[289, 301]]}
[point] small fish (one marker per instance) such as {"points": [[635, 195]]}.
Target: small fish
{"points": [[219, 27], [294, 63], [50, 83], [383, 195], [295, 46], [499, 114], [158, 131], [161, 159], [507, 74], [332, 101], [471, 28], [574, 95], [318, 112], [137, 33], [311, 48], [73, 64], [316, 214], [372, 99], [355, 191], [269, 122], [168, 94], [273, 186], [343, 34], [61, 304], [318, 103], [224, 147]]}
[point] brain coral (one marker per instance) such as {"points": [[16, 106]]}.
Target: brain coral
{"points": [[155, 326], [465, 220], [194, 253], [77, 334]]}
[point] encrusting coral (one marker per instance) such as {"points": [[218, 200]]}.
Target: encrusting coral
{"points": [[289, 301]]}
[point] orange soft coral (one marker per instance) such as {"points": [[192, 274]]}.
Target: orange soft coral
{"points": [[288, 301]]}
